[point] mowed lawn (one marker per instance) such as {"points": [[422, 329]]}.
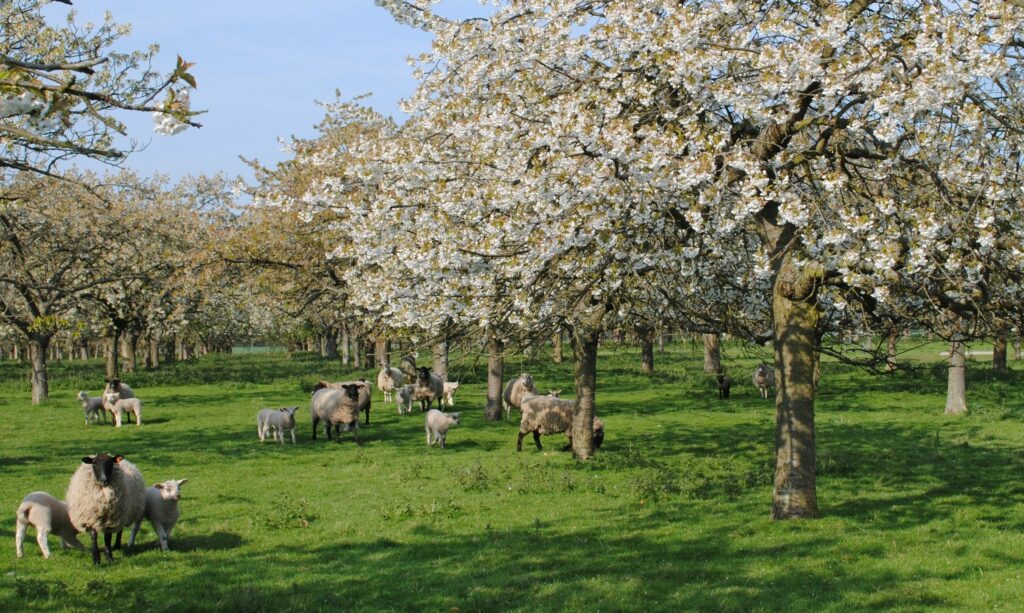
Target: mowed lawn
{"points": [[919, 511]]}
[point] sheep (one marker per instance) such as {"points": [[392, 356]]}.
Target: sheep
{"points": [[437, 424], [403, 398], [724, 383], [338, 408], [161, 510], [514, 392], [365, 397], [106, 494], [428, 387], [92, 406], [764, 378], [448, 398], [115, 390], [277, 420], [388, 380], [46, 514], [126, 405], [550, 415]]}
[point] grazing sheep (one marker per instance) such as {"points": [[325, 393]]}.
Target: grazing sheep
{"points": [[365, 395], [428, 387], [126, 405], [514, 392], [448, 397], [161, 510], [46, 514], [724, 383], [437, 424], [403, 398], [338, 408], [277, 420], [389, 379], [550, 415], [106, 494], [93, 408], [764, 378]]}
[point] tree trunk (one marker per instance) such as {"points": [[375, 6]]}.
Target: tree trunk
{"points": [[495, 376], [956, 389], [154, 351], [661, 342], [83, 349], [584, 348], [16, 352], [113, 354], [999, 353], [795, 317], [346, 357], [646, 351], [556, 347], [380, 351], [712, 354], [38, 344], [440, 352], [890, 350], [357, 350], [1017, 347], [130, 345]]}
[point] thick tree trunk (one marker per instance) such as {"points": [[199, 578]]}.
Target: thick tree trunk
{"points": [[113, 354], [712, 354], [16, 352], [495, 376], [132, 359], [795, 315], [647, 352], [346, 356], [661, 343], [556, 347], [890, 350], [357, 351], [956, 389], [584, 347], [83, 349], [999, 353], [38, 344], [440, 352], [381, 351], [331, 343]]}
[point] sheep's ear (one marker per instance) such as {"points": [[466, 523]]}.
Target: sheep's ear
{"points": [[182, 482], [87, 460], [158, 486], [118, 458]]}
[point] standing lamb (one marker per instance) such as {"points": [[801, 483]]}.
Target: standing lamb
{"points": [[428, 387], [764, 378], [114, 391], [448, 397], [389, 379], [724, 384], [514, 392], [338, 408], [46, 514], [403, 398], [161, 510], [437, 424], [92, 406], [277, 420], [126, 405], [106, 494], [550, 415]]}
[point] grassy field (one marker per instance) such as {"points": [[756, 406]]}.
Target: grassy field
{"points": [[920, 511]]}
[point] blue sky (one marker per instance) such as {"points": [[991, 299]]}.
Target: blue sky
{"points": [[260, 67]]}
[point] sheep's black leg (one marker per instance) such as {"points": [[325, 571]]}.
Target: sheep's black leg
{"points": [[367, 411], [117, 541], [519, 442], [95, 547], [106, 546], [536, 439]]}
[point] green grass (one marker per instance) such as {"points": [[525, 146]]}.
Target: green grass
{"points": [[920, 511]]}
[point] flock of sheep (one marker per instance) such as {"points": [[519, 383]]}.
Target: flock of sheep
{"points": [[108, 493]]}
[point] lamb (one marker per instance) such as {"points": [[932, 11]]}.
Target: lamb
{"points": [[277, 420], [93, 408], [389, 379], [46, 514], [437, 424], [338, 408], [403, 398], [114, 391], [365, 395], [126, 405], [550, 415], [106, 494], [161, 510], [764, 378], [448, 397], [514, 392], [428, 387], [724, 383]]}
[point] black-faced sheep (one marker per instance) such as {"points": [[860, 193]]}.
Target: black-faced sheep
{"points": [[46, 514], [724, 384], [428, 387], [437, 425], [161, 510], [365, 394], [543, 415], [764, 379], [338, 409], [514, 391], [106, 494]]}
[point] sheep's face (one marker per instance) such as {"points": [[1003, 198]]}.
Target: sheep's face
{"points": [[351, 390], [111, 397], [424, 375], [598, 438], [554, 393], [527, 381], [171, 490], [114, 385], [83, 396], [455, 418], [290, 411], [102, 466]]}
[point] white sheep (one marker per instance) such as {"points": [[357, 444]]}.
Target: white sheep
{"points": [[92, 406], [437, 424], [763, 378], [448, 398], [389, 379], [46, 514], [551, 415], [277, 420], [365, 394], [514, 391], [126, 405], [403, 398], [428, 387], [115, 390], [161, 510], [338, 408], [106, 494]]}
